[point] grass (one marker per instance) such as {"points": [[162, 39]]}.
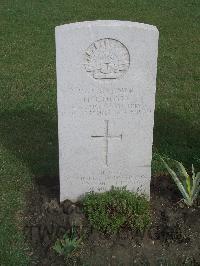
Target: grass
{"points": [[28, 122], [118, 208]]}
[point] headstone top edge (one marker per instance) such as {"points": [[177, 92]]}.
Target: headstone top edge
{"points": [[107, 23]]}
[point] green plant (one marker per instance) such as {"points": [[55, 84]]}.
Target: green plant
{"points": [[189, 186], [117, 208], [67, 244]]}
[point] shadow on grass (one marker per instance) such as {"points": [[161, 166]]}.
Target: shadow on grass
{"points": [[177, 138], [32, 137]]}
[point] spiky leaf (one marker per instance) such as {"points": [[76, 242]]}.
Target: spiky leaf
{"points": [[196, 186], [178, 182]]}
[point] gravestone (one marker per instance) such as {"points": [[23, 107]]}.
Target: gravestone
{"points": [[106, 84]]}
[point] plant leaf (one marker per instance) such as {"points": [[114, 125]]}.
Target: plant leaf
{"points": [[183, 171], [58, 248], [188, 184], [193, 170], [196, 186], [178, 183]]}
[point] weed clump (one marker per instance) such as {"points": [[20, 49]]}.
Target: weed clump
{"points": [[115, 209], [67, 244]]}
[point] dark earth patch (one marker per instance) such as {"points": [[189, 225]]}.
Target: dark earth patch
{"points": [[172, 239]]}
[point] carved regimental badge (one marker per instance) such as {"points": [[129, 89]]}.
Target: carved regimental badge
{"points": [[107, 59]]}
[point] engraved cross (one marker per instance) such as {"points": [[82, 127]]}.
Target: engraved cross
{"points": [[106, 137]]}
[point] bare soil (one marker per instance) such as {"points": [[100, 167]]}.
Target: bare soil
{"points": [[172, 239]]}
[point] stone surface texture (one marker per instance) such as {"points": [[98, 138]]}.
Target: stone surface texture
{"points": [[106, 84]]}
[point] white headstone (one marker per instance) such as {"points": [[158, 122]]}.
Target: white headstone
{"points": [[106, 84]]}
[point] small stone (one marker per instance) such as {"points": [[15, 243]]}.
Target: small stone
{"points": [[53, 206], [66, 206], [181, 204], [76, 219], [35, 235], [45, 262], [42, 230], [49, 227], [46, 240]]}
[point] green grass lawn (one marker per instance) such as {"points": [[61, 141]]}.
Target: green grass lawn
{"points": [[28, 119]]}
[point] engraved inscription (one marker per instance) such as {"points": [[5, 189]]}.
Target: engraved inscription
{"points": [[116, 101], [107, 59], [107, 136], [102, 184]]}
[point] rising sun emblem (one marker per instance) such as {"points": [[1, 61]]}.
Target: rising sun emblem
{"points": [[107, 59]]}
